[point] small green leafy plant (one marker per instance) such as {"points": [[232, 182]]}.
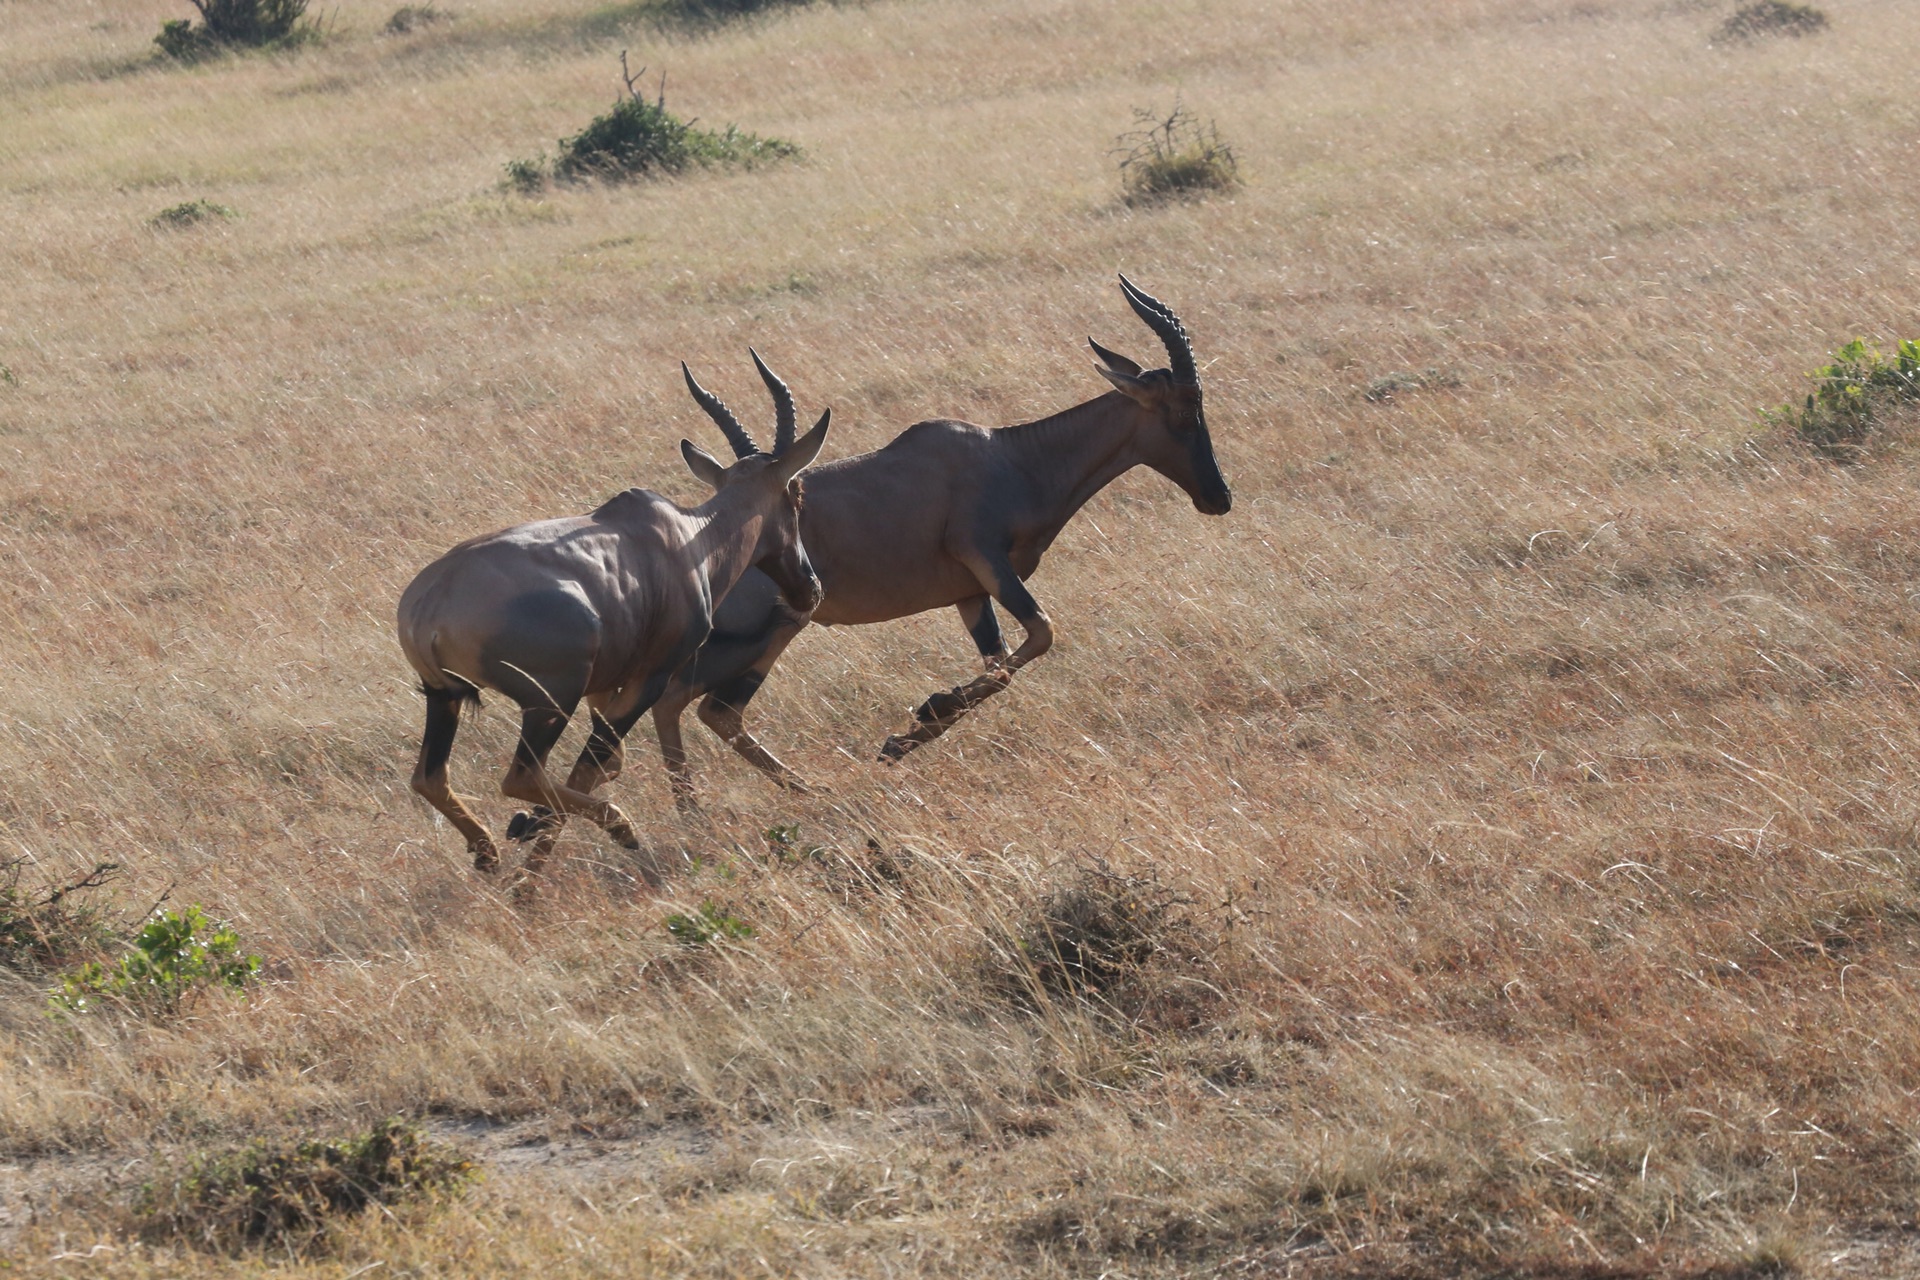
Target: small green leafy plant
{"points": [[188, 213], [1173, 154], [1851, 394], [784, 843], [640, 138], [175, 956], [236, 24], [287, 1195], [708, 925]]}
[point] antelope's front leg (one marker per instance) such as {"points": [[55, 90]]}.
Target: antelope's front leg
{"points": [[942, 711]]}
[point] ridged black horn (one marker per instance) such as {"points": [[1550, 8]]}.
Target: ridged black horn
{"points": [[1160, 318], [737, 436], [783, 421]]}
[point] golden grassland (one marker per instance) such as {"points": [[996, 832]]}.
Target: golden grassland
{"points": [[1533, 758]]}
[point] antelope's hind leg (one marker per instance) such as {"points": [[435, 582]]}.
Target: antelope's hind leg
{"points": [[527, 779], [430, 774], [729, 670], [721, 711], [673, 746]]}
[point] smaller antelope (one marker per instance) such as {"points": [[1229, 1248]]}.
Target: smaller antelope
{"points": [[601, 608]]}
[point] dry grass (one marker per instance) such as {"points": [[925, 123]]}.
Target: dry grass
{"points": [[1535, 754]]}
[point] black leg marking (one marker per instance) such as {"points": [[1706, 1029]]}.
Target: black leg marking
{"points": [[736, 693], [985, 630], [540, 728], [603, 744], [443, 721]]}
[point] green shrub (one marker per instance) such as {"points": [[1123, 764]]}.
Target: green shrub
{"points": [[44, 927], [286, 1196], [1391, 385], [715, 11], [1171, 155], [189, 213], [174, 957], [1771, 18], [246, 24], [708, 925], [641, 139], [1850, 394]]}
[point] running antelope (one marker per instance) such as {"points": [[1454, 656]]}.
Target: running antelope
{"points": [[601, 608], [951, 514]]}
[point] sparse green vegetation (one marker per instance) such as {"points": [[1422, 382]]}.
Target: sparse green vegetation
{"points": [[1390, 385], [1852, 393], [640, 138], [235, 24], [1173, 154], [189, 213], [1771, 18], [707, 11], [286, 1196], [175, 956], [708, 925]]}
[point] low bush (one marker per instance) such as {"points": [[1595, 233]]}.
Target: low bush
{"points": [[1770, 18], [716, 11], [286, 1196], [49, 925], [1118, 943], [237, 24], [175, 957], [1389, 386], [1851, 394], [708, 925], [409, 18], [1173, 155], [189, 213], [640, 138]]}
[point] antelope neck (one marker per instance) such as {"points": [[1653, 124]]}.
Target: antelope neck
{"points": [[1077, 452]]}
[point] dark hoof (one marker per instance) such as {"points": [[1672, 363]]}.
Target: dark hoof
{"points": [[620, 831], [528, 823], [895, 747], [485, 857]]}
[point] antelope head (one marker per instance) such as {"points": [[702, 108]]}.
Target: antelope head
{"points": [[769, 480], [1172, 432]]}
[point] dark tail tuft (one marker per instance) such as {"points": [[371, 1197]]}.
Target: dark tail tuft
{"points": [[460, 692]]}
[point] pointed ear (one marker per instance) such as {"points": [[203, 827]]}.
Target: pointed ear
{"points": [[705, 467], [805, 449], [1127, 384], [1113, 359]]}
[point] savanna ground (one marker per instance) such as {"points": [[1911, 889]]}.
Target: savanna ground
{"points": [[1526, 769]]}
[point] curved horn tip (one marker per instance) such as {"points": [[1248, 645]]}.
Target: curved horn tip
{"points": [[1136, 293]]}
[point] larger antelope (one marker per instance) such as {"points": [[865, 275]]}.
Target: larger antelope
{"points": [[951, 514], [601, 608]]}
